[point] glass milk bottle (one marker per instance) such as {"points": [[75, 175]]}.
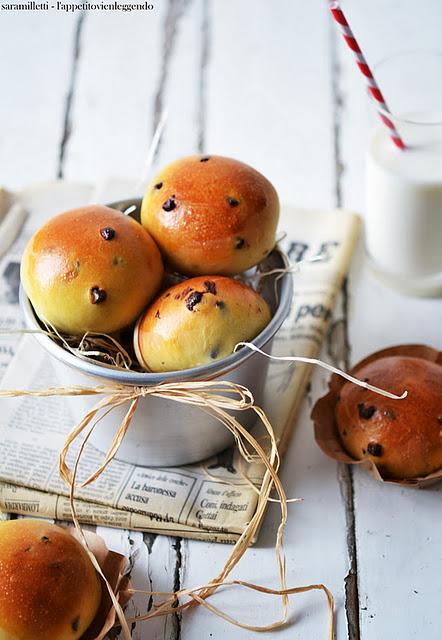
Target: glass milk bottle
{"points": [[404, 187]]}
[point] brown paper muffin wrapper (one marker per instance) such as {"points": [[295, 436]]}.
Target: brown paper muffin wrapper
{"points": [[114, 566], [326, 431]]}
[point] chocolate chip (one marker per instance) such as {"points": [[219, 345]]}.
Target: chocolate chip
{"points": [[157, 315], [439, 419], [205, 159], [166, 295], [186, 291], [158, 185], [366, 412], [214, 353], [75, 623], [44, 539], [107, 233], [169, 205], [389, 413], [240, 243], [97, 295], [232, 201], [220, 304], [364, 452], [194, 299], [210, 287], [374, 449]]}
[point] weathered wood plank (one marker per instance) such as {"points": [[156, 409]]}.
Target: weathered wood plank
{"points": [[34, 87], [132, 73], [132, 68], [398, 531], [268, 94], [339, 351], [112, 75], [260, 111], [112, 108], [35, 94]]}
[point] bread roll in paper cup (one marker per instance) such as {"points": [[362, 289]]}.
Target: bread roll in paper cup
{"points": [[51, 589], [397, 441]]}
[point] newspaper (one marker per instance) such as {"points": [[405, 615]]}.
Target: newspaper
{"points": [[213, 500], [9, 280]]}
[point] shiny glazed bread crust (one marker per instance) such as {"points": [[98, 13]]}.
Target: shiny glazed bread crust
{"points": [[211, 215], [48, 586], [198, 321], [91, 269], [402, 437]]}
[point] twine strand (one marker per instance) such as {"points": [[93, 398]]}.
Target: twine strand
{"points": [[323, 365]]}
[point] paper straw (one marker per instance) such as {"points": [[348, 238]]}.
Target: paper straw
{"points": [[373, 87]]}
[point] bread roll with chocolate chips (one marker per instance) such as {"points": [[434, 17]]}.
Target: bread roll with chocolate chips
{"points": [[403, 438], [198, 321], [211, 215], [49, 589], [91, 269]]}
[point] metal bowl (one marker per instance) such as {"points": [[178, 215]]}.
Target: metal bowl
{"points": [[164, 432]]}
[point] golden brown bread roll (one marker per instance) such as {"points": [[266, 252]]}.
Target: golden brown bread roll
{"points": [[198, 321], [91, 269], [49, 589], [403, 438], [211, 215]]}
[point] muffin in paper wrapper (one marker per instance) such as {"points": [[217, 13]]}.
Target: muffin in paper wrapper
{"points": [[114, 566], [326, 430]]}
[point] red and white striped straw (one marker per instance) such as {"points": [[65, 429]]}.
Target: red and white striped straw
{"points": [[373, 88]]}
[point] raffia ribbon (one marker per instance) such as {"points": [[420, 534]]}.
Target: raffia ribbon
{"points": [[216, 398]]}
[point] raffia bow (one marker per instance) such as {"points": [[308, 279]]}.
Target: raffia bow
{"points": [[215, 397]]}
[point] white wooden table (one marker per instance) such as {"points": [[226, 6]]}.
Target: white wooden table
{"points": [[271, 83]]}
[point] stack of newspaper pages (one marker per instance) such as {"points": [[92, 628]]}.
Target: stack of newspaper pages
{"points": [[213, 500]]}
